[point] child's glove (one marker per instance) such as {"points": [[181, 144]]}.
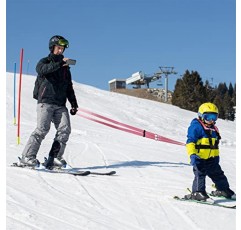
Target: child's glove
{"points": [[193, 159]]}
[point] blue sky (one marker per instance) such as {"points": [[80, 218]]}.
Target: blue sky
{"points": [[115, 38]]}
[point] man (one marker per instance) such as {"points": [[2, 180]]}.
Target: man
{"points": [[53, 87], [202, 147]]}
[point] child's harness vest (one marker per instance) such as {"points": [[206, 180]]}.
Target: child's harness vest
{"points": [[209, 131]]}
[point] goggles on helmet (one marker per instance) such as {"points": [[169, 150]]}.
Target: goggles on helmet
{"points": [[210, 116], [60, 41], [63, 42]]}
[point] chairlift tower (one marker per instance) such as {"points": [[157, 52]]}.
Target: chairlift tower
{"points": [[139, 78], [166, 71]]}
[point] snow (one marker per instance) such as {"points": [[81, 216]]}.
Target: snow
{"points": [[149, 173]]}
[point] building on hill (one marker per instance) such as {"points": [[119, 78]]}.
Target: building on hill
{"points": [[117, 84]]}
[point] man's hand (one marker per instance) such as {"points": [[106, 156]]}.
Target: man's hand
{"points": [[74, 108], [73, 111], [65, 59]]}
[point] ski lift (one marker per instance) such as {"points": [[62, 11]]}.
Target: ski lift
{"points": [[159, 83]]}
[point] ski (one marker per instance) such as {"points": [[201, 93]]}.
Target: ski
{"points": [[209, 201], [110, 173], [68, 170], [54, 170]]}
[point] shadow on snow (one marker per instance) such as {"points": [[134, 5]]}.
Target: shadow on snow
{"points": [[139, 164]]}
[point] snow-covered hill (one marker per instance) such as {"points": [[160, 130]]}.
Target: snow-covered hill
{"points": [[149, 173]]}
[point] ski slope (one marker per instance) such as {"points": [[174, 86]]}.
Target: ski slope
{"points": [[149, 173]]}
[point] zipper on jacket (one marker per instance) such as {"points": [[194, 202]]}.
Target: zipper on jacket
{"points": [[43, 92]]}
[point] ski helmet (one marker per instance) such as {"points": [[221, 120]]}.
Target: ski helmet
{"points": [[57, 40], [208, 111]]}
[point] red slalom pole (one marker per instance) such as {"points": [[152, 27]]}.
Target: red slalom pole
{"points": [[19, 95]]}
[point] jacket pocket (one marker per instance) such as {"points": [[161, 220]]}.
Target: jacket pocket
{"points": [[47, 90]]}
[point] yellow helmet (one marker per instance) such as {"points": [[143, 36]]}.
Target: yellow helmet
{"points": [[208, 112], [207, 108]]}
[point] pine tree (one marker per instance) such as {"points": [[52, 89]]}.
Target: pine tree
{"points": [[230, 90], [234, 95], [210, 92], [189, 91]]}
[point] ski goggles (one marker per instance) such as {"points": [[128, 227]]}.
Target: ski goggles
{"points": [[63, 42], [60, 41], [210, 116]]}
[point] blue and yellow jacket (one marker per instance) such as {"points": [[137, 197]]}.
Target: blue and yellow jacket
{"points": [[202, 140]]}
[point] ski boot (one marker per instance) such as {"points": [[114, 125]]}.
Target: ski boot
{"points": [[228, 193], [60, 162], [200, 196], [29, 162], [49, 163]]}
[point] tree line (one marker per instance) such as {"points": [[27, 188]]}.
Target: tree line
{"points": [[190, 92]]}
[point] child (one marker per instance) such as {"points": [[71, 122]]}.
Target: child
{"points": [[202, 148]]}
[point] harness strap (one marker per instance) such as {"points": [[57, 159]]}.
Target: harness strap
{"points": [[206, 147], [208, 131]]}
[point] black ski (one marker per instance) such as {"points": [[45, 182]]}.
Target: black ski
{"points": [[64, 171], [70, 170], [54, 170], [103, 173], [209, 201], [109, 173]]}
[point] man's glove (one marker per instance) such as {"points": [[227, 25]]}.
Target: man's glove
{"points": [[193, 159], [74, 108], [73, 111]]}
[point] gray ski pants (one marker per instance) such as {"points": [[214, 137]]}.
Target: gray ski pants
{"points": [[47, 113]]}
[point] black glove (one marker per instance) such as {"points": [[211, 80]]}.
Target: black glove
{"points": [[73, 111], [74, 108]]}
